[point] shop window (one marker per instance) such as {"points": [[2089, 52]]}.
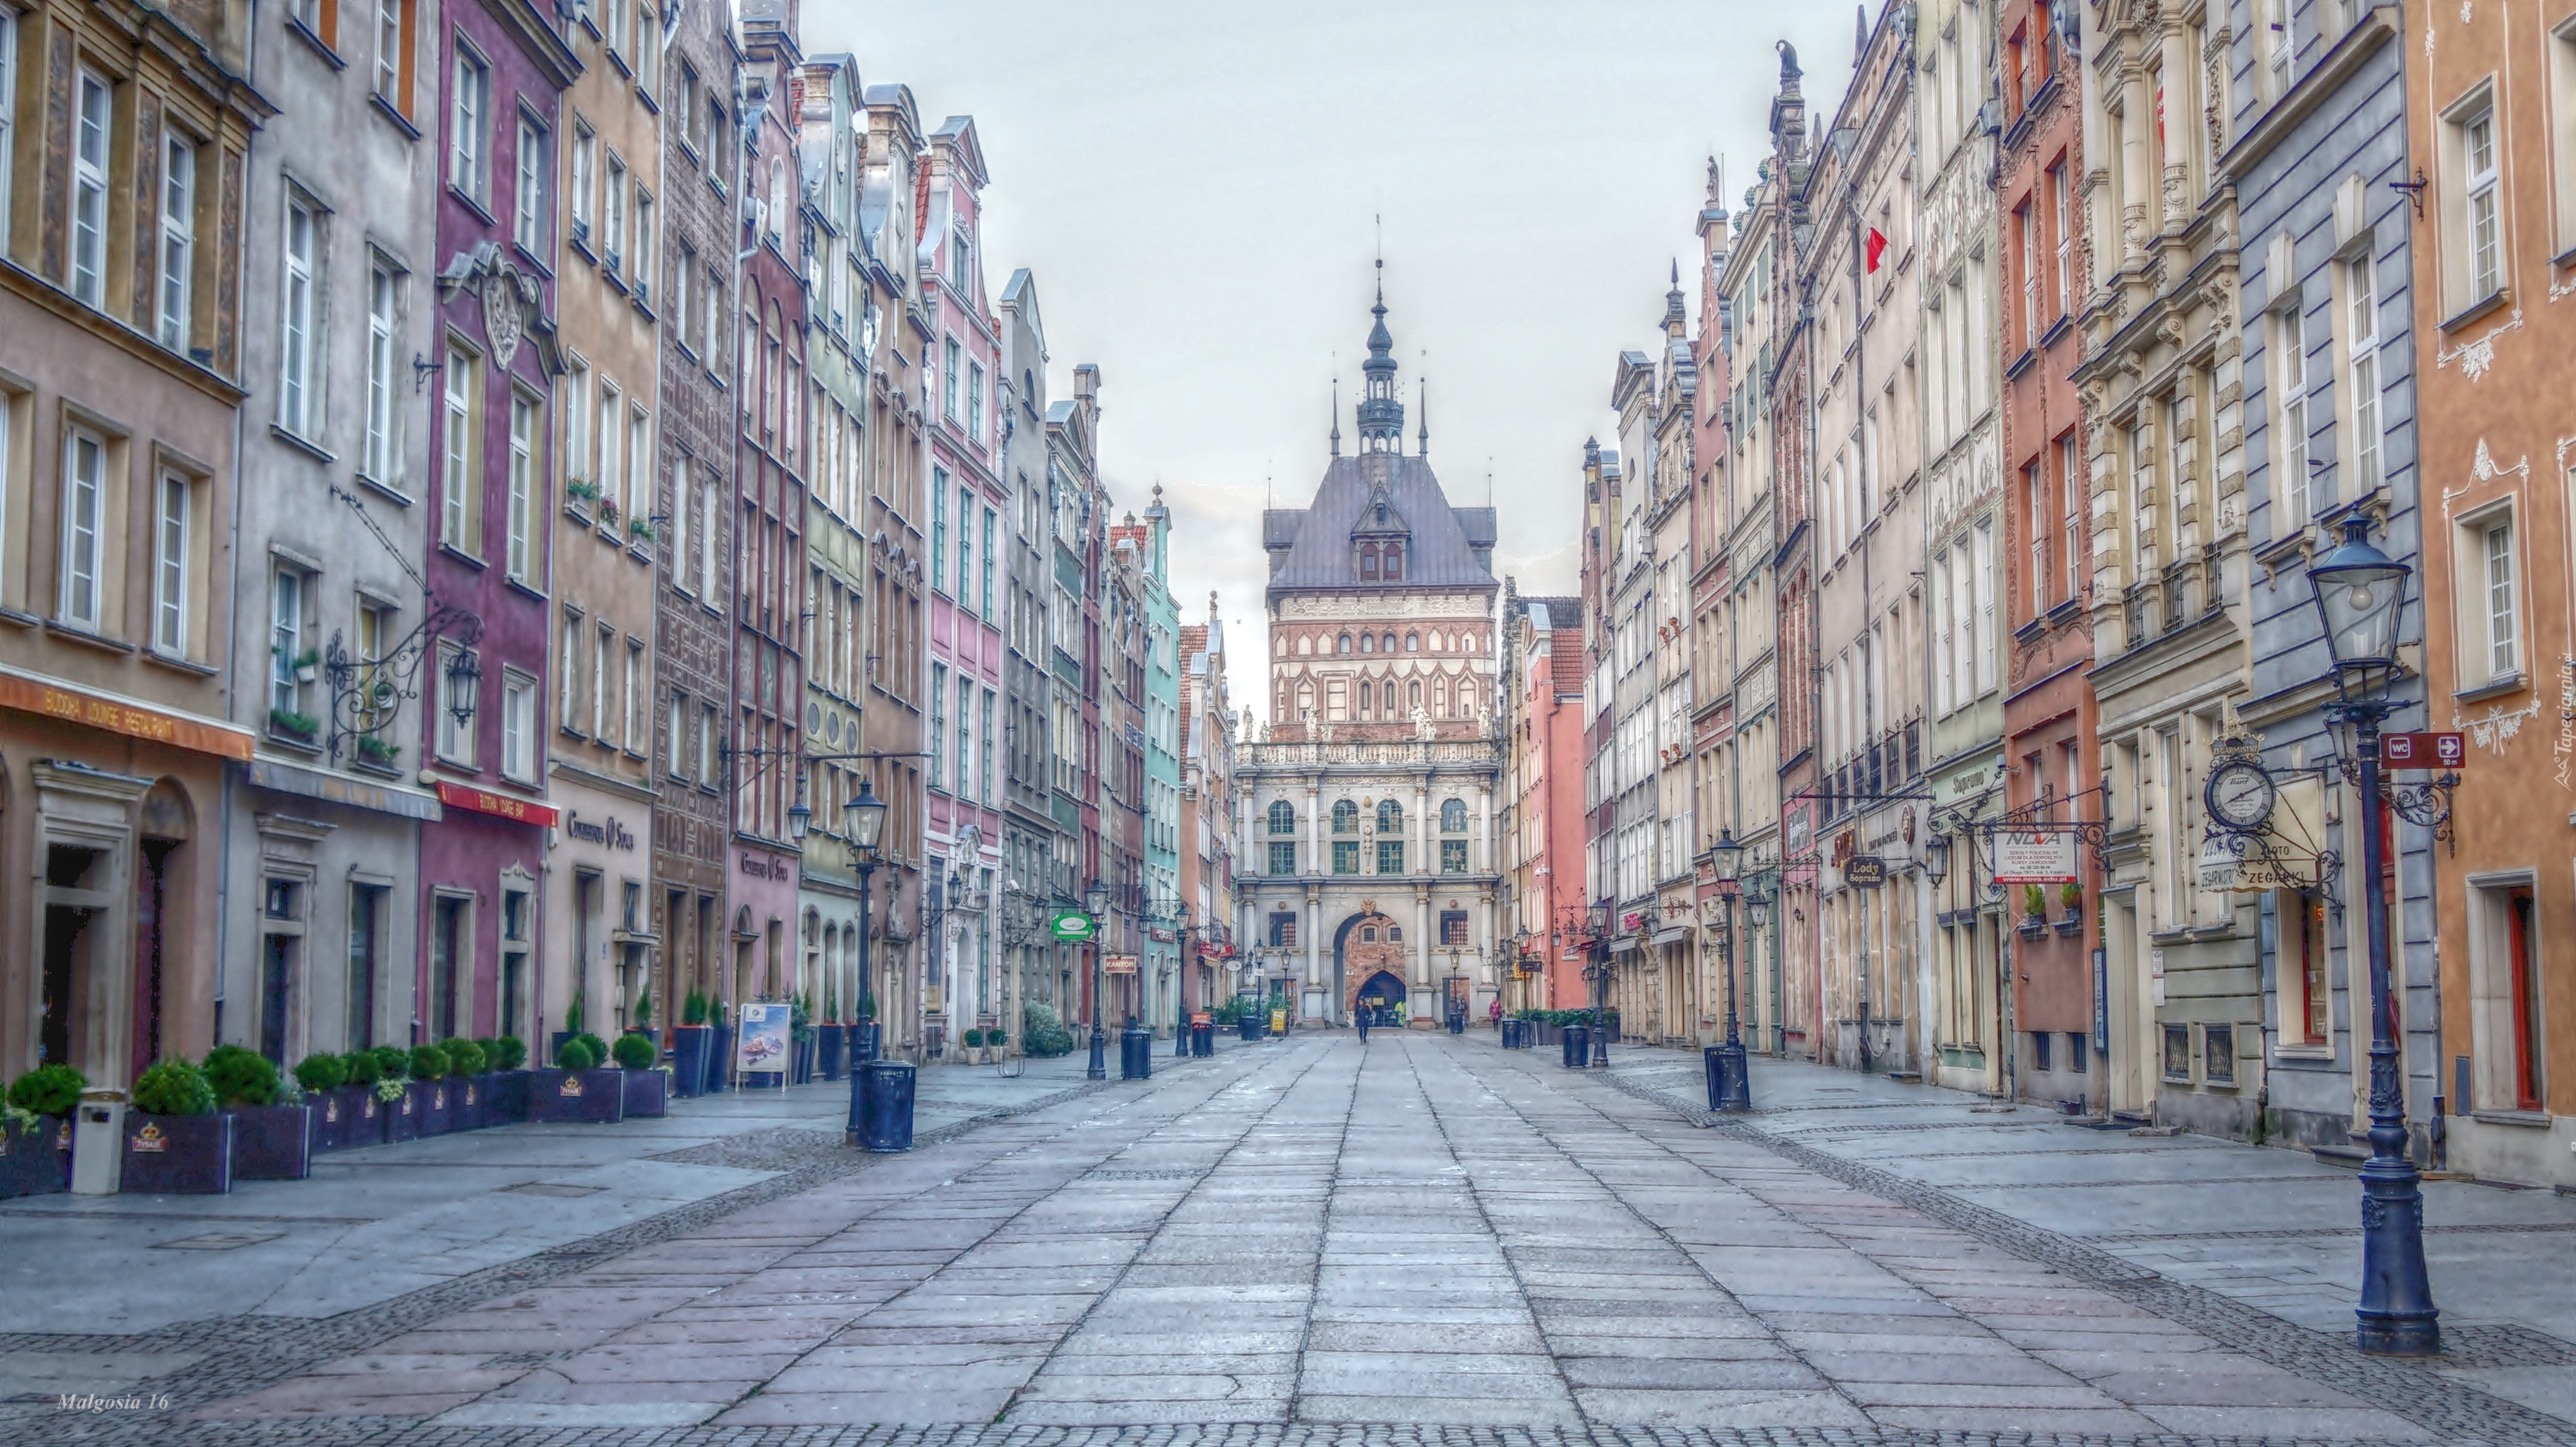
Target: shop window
{"points": [[2178, 1052], [2218, 1054]]}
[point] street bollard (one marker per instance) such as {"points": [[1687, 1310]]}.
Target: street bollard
{"points": [[1577, 1047], [881, 1106], [1713, 1064], [1135, 1053], [1203, 1041]]}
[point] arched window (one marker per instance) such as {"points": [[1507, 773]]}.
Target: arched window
{"points": [[1390, 816], [1368, 562], [1453, 816], [1368, 934], [1387, 643], [1346, 817], [1283, 819], [1439, 695], [1306, 695], [1282, 716], [1413, 694], [1413, 643], [1345, 645], [1390, 698], [1394, 571], [1395, 934], [1368, 699], [1368, 643]]}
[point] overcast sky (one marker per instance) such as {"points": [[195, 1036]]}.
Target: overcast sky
{"points": [[1193, 186]]}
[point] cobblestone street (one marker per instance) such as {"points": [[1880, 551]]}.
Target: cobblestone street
{"points": [[1425, 1232]]}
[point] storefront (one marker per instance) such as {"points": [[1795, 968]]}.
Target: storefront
{"points": [[115, 878], [599, 937], [480, 868]]}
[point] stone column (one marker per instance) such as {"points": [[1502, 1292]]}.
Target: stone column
{"points": [[1426, 987], [2182, 120], [1314, 827], [1314, 945], [1483, 859], [2137, 178]]}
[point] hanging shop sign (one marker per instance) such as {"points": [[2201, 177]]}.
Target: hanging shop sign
{"points": [[2033, 857], [1865, 871], [1118, 964]]}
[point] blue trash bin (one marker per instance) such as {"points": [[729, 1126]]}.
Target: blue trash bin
{"points": [[881, 1106], [1578, 1047], [1135, 1053]]}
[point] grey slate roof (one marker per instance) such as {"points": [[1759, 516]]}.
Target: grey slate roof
{"points": [[1310, 547]]}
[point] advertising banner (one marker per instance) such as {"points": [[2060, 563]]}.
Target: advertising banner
{"points": [[763, 1044]]}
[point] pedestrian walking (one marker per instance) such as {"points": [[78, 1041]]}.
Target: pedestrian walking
{"points": [[1494, 1012], [1362, 1016]]}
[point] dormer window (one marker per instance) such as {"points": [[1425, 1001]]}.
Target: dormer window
{"points": [[1393, 568], [1368, 562]]}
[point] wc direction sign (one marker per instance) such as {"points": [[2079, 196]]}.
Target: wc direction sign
{"points": [[1071, 926], [2424, 751]]}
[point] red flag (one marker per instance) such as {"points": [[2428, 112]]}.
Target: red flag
{"points": [[1877, 249]]}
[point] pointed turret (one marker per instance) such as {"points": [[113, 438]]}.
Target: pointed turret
{"points": [[1381, 417]]}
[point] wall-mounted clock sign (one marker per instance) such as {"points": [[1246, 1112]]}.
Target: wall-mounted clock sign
{"points": [[2240, 794]]}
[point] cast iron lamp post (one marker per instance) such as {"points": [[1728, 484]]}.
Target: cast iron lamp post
{"points": [[2358, 589], [1601, 979], [1757, 915], [1181, 978], [866, 814], [1733, 1091], [1095, 900]]}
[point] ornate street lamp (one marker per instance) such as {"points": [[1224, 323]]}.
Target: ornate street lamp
{"points": [[1600, 916], [1095, 902], [1728, 1087], [2358, 590], [865, 815], [1936, 857], [464, 681]]}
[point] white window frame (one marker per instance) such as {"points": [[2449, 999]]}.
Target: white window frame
{"points": [[178, 250], [639, 478], [2492, 645], [611, 434], [2369, 423], [389, 38], [381, 458], [526, 420], [286, 603], [173, 533], [518, 727], [585, 151], [460, 469], [568, 675], [2072, 490], [2481, 202], [612, 212], [469, 118], [8, 110], [528, 189], [93, 150], [81, 594], [298, 309], [2287, 335]]}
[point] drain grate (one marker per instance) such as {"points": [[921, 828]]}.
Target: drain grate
{"points": [[552, 1188]]}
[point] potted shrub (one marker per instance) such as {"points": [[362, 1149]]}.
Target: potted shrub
{"points": [[469, 1088], [364, 1120], [428, 1070], [175, 1138], [644, 1087], [394, 1094], [973, 1043], [577, 1088], [690, 1040], [272, 1137], [2034, 909], [572, 1027], [830, 1039], [719, 1049], [994, 1040], [36, 1131], [2070, 896], [644, 1021], [323, 1079], [508, 1058], [800, 1040]]}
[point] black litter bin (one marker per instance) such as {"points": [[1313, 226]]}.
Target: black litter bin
{"points": [[1713, 1065], [881, 1106], [1250, 1024], [1135, 1053], [1203, 1040], [1578, 1047]]}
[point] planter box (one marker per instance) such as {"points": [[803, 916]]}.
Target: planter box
{"points": [[2033, 926], [690, 1047], [720, 1060], [429, 1104], [831, 1041], [508, 1103], [362, 1118], [802, 1052], [646, 1092], [272, 1142], [402, 1116], [577, 1095], [469, 1099], [36, 1161], [190, 1154]]}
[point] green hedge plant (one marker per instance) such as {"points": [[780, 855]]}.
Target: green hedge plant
{"points": [[577, 1054], [508, 1052], [362, 1067], [633, 1052], [48, 1090], [973, 1039], [240, 1077], [693, 1011], [465, 1057], [318, 1073], [392, 1062], [173, 1087], [428, 1062], [1042, 1034]]}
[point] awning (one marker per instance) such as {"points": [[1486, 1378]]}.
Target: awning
{"points": [[36, 694], [1625, 944], [333, 788], [1672, 936]]}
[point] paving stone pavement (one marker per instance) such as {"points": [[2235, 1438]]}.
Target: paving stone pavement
{"points": [[1420, 1242]]}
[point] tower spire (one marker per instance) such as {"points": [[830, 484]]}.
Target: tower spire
{"points": [[1381, 416], [1337, 416]]}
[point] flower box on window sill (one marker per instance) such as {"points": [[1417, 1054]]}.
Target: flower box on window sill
{"points": [[297, 726], [2073, 923], [2034, 926]]}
